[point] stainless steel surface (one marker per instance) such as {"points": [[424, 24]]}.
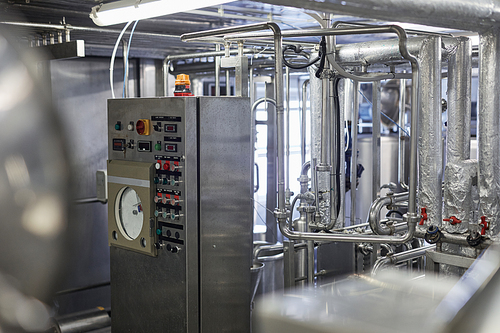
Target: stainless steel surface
{"points": [[213, 263], [402, 179], [435, 257], [84, 321], [375, 209], [354, 154], [430, 168], [488, 129], [325, 123], [460, 14], [303, 124], [397, 258], [376, 140]]}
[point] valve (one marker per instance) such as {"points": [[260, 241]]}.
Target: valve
{"points": [[423, 215], [484, 223], [453, 220], [474, 239], [433, 235]]}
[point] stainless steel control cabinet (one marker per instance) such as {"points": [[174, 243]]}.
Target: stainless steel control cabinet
{"points": [[180, 214]]}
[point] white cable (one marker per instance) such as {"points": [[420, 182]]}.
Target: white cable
{"points": [[112, 63]]}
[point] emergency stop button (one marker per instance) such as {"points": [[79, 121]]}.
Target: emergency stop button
{"points": [[143, 126]]}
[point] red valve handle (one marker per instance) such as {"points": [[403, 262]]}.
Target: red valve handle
{"points": [[423, 215], [484, 223], [453, 220]]}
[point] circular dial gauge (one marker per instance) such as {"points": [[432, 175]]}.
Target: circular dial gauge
{"points": [[130, 213]]}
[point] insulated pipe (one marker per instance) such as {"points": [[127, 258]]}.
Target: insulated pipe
{"points": [[459, 101], [325, 124], [303, 123], [354, 150], [376, 139], [456, 14], [400, 257], [430, 134], [374, 213], [334, 152], [488, 141]]}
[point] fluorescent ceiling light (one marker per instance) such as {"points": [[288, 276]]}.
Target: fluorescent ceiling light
{"points": [[130, 10]]}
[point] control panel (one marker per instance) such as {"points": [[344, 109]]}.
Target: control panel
{"points": [[180, 213], [156, 139]]}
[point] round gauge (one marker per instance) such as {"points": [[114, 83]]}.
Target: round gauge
{"points": [[129, 213]]}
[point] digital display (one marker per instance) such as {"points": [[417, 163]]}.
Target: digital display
{"points": [[144, 146], [119, 144], [170, 148], [172, 128]]}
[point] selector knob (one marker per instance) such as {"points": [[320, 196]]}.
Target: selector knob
{"points": [[156, 180], [164, 200], [157, 213], [166, 166], [165, 181], [157, 199], [174, 202]]}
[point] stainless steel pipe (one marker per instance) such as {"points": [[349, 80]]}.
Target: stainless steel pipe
{"points": [[373, 217], [400, 257], [303, 123], [376, 109], [354, 150]]}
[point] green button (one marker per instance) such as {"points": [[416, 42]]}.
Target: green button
{"points": [[164, 215], [158, 231], [118, 127], [156, 180], [156, 213], [158, 146], [172, 216], [165, 181]]}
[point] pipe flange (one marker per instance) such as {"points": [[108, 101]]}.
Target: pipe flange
{"points": [[411, 218], [474, 239], [433, 235], [280, 214], [323, 168], [306, 209]]}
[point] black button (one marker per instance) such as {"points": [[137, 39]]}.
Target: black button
{"points": [[177, 235], [169, 233]]}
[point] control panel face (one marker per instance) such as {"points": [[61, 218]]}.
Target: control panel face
{"points": [[154, 134]]}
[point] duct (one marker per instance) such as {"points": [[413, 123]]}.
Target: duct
{"points": [[430, 150], [471, 15], [459, 177], [459, 101], [488, 128]]}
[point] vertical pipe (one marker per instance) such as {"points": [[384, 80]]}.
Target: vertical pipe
{"points": [[217, 72], [459, 101], [303, 122], [251, 84], [459, 170], [166, 66], [489, 127], [354, 154], [310, 263], [125, 67], [334, 148], [227, 49], [346, 107], [287, 137], [325, 124], [402, 136], [430, 152], [376, 139]]}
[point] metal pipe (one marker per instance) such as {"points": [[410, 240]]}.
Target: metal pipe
{"points": [[354, 153], [457, 14], [125, 68], [430, 136], [373, 217], [334, 151], [376, 139], [402, 135], [303, 122], [400, 257], [325, 124], [346, 106], [165, 67], [217, 71], [488, 131], [310, 262], [227, 53], [281, 211], [287, 138], [458, 239]]}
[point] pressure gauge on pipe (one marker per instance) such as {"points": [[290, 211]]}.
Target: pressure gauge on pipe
{"points": [[130, 214]]}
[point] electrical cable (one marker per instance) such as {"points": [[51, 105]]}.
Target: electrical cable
{"points": [[126, 58], [112, 63], [336, 103], [297, 49], [322, 61]]}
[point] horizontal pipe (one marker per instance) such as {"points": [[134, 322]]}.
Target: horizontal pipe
{"points": [[397, 258], [474, 15]]}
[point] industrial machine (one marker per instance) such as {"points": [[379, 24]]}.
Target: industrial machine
{"points": [[179, 217]]}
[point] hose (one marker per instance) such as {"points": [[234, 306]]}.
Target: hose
{"points": [[112, 63], [297, 49], [126, 58]]}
